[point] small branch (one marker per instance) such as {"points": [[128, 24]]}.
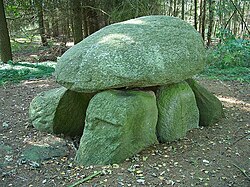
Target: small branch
{"points": [[97, 9], [229, 19], [242, 171], [86, 179], [239, 139], [242, 18]]}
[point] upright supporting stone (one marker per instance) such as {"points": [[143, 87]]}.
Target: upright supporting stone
{"points": [[59, 111], [210, 107], [118, 125], [178, 111]]}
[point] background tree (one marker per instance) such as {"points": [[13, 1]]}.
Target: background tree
{"points": [[39, 5], [211, 7], [62, 20], [5, 46], [77, 21]]}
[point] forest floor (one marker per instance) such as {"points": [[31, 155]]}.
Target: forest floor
{"points": [[213, 156]]}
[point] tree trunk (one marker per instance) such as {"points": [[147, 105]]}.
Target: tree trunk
{"points": [[195, 14], [211, 4], [92, 16], [200, 16], [175, 8], [39, 5], [182, 9], [77, 21], [203, 20], [170, 7], [5, 46], [242, 24]]}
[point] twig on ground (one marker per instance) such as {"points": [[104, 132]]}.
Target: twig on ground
{"points": [[239, 139], [85, 179], [242, 171]]}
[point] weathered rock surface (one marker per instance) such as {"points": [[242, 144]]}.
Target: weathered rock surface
{"points": [[46, 149], [59, 111], [6, 154], [210, 107], [118, 125], [142, 52], [177, 110]]}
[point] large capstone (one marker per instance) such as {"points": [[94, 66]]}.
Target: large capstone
{"points": [[141, 52], [59, 111], [210, 107], [118, 125], [177, 110]]}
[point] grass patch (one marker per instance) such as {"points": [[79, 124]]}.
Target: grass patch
{"points": [[241, 74], [16, 72]]}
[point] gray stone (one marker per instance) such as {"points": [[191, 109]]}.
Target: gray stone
{"points": [[6, 152], [119, 124], [59, 111], [210, 107], [44, 150], [177, 110], [142, 52]]}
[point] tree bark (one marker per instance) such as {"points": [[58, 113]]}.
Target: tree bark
{"points": [[182, 9], [5, 46], [175, 8], [203, 20], [39, 5], [200, 16], [195, 14], [77, 21], [92, 16], [211, 4], [170, 8]]}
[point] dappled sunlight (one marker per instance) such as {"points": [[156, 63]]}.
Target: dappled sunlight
{"points": [[135, 21], [232, 101], [44, 141], [69, 44], [38, 83], [112, 38]]}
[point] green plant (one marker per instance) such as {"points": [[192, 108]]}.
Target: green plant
{"points": [[231, 52], [15, 72], [241, 74]]}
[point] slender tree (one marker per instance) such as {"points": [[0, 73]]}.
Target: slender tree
{"points": [[77, 20], [5, 46], [170, 7], [195, 14], [182, 9], [200, 15], [39, 6], [211, 4], [175, 8], [203, 25]]}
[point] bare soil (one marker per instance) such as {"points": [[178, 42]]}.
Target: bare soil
{"points": [[215, 156]]}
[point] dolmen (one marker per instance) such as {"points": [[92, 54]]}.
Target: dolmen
{"points": [[126, 87]]}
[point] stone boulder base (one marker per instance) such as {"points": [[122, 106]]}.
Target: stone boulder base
{"points": [[59, 111], [118, 125], [141, 52], [177, 110], [210, 107]]}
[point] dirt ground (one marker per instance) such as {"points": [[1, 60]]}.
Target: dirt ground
{"points": [[215, 156]]}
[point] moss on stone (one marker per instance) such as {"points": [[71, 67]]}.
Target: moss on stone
{"points": [[177, 110], [59, 111], [119, 124], [210, 107]]}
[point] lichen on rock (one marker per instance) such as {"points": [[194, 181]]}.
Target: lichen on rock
{"points": [[119, 124]]}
